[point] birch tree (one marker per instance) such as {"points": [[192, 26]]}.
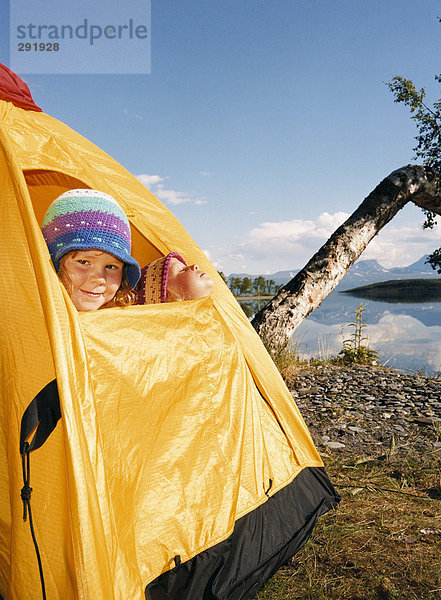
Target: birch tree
{"points": [[421, 185], [277, 321]]}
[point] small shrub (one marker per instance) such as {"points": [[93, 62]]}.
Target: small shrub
{"points": [[354, 350]]}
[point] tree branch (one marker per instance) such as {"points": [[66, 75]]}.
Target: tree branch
{"points": [[277, 321]]}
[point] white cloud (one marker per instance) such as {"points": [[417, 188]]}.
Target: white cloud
{"points": [[132, 114], [171, 196], [217, 264], [150, 180], [401, 246], [238, 256], [297, 229], [205, 174], [155, 183], [288, 245]]}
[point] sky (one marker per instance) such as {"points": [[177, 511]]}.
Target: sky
{"points": [[263, 125]]}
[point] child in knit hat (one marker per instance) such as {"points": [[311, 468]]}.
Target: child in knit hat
{"points": [[88, 236], [170, 279]]}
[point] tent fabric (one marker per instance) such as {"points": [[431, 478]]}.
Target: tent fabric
{"points": [[267, 537], [176, 426]]}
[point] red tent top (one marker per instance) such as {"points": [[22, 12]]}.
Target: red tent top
{"points": [[13, 89]]}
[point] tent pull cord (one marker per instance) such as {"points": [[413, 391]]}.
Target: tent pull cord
{"points": [[269, 487], [26, 497]]}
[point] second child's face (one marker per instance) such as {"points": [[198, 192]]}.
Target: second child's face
{"points": [[92, 278], [187, 282]]}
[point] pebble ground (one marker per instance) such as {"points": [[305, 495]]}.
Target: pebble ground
{"points": [[362, 408]]}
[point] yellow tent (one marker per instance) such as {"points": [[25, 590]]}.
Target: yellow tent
{"points": [[181, 468]]}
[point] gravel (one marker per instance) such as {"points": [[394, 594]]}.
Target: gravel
{"points": [[362, 408]]}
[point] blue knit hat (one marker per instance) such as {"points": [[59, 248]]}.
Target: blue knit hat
{"points": [[86, 219]]}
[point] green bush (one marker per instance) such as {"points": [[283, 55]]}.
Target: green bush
{"points": [[354, 349]]}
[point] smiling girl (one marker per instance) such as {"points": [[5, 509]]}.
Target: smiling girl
{"points": [[88, 236]]}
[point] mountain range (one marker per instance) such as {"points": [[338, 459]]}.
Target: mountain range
{"points": [[363, 272]]}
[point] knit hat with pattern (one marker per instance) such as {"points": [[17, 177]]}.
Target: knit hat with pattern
{"points": [[152, 287], [86, 219]]}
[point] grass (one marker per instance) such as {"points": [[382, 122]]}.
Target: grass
{"points": [[287, 360], [384, 539]]}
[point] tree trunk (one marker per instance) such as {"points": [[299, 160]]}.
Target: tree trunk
{"points": [[276, 322]]}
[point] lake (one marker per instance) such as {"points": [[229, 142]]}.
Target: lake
{"points": [[406, 336]]}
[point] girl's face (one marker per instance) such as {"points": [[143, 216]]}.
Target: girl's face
{"points": [[187, 282], [92, 277]]}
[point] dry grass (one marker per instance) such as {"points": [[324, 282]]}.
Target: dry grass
{"points": [[382, 542], [287, 360]]}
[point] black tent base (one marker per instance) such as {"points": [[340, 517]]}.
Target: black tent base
{"points": [[262, 541]]}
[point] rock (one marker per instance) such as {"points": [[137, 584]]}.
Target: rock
{"points": [[430, 531], [335, 445], [424, 420]]}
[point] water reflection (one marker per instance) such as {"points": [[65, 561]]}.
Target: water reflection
{"points": [[406, 336], [252, 307]]}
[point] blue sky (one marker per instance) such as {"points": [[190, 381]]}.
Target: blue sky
{"points": [[263, 124]]}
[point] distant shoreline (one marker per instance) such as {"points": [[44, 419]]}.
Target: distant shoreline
{"points": [[399, 291], [393, 291]]}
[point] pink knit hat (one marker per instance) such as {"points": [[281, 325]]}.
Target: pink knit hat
{"points": [[152, 287]]}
